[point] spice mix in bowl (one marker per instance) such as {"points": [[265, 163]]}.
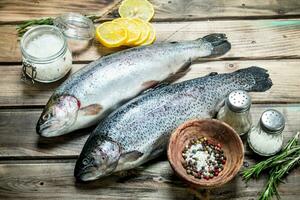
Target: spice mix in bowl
{"points": [[205, 153]]}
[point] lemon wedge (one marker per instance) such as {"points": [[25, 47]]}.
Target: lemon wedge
{"points": [[111, 34], [132, 27], [141, 9]]}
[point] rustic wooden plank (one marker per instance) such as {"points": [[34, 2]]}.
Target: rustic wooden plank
{"points": [[17, 10], [154, 180], [251, 39], [19, 140], [13, 92]]}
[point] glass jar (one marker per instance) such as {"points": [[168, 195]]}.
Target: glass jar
{"points": [[266, 137], [236, 111], [45, 54], [78, 29]]}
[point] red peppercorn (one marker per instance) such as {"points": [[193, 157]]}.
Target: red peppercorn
{"points": [[223, 161]]}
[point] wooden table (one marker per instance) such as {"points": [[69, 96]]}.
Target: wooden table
{"points": [[264, 33]]}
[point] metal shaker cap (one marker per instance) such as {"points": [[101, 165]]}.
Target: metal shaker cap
{"points": [[238, 101], [272, 121]]}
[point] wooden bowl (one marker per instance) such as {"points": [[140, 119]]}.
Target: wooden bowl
{"points": [[216, 131]]}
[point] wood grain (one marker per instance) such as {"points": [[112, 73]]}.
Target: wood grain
{"points": [[18, 10], [19, 140], [154, 180], [250, 39], [14, 92]]}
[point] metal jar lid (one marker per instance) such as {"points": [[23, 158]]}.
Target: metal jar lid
{"points": [[75, 26], [272, 121], [238, 101]]}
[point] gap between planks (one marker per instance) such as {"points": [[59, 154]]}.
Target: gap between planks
{"points": [[165, 10], [153, 180], [247, 38]]}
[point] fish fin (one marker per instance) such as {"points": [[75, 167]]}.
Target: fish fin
{"points": [[212, 74], [159, 146], [185, 68], [213, 113], [153, 84], [150, 84], [219, 43], [259, 77], [92, 109], [130, 156]]}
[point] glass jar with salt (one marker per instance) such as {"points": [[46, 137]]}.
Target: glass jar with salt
{"points": [[236, 113], [46, 49], [45, 54], [266, 137]]}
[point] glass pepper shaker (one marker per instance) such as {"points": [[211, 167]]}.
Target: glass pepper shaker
{"points": [[236, 111], [266, 137]]}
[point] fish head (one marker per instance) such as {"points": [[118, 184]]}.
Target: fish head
{"points": [[99, 158], [58, 116]]}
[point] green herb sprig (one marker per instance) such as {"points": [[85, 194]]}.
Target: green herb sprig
{"points": [[279, 166], [26, 25]]}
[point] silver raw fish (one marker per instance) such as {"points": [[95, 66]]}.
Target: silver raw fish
{"points": [[139, 130], [94, 91]]}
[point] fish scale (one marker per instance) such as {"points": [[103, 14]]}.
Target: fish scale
{"points": [[145, 123]]}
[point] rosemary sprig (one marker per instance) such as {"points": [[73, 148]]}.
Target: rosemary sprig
{"points": [[22, 28], [276, 177], [255, 171], [26, 25], [278, 165]]}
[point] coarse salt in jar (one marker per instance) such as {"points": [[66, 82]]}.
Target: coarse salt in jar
{"points": [[266, 137], [45, 54]]}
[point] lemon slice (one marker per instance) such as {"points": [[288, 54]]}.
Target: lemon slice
{"points": [[111, 34], [145, 31], [152, 35], [141, 9], [132, 27]]}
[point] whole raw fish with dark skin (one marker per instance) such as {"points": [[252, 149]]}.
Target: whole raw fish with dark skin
{"points": [[139, 130], [94, 91]]}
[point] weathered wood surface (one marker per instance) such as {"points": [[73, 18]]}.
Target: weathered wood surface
{"points": [[13, 92], [264, 33], [18, 138], [167, 10], [250, 39], [18, 10], [154, 180]]}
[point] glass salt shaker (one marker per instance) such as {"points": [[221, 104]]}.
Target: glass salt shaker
{"points": [[236, 111], [266, 138]]}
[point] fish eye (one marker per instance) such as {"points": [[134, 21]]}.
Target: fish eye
{"points": [[87, 160], [47, 116]]}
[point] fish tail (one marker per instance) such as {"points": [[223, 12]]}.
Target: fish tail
{"points": [[219, 43], [259, 78]]}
